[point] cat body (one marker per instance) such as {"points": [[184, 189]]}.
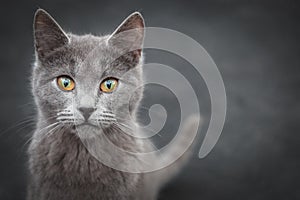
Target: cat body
{"points": [[72, 83]]}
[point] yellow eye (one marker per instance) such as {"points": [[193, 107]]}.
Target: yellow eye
{"points": [[65, 83], [109, 85]]}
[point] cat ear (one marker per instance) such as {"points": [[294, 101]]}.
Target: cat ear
{"points": [[130, 34], [48, 35]]}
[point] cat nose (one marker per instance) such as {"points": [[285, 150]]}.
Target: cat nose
{"points": [[86, 111]]}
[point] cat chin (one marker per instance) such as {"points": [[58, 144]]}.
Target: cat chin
{"points": [[87, 131]]}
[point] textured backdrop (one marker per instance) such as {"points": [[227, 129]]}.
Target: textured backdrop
{"points": [[255, 44]]}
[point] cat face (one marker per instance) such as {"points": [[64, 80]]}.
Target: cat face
{"points": [[87, 81]]}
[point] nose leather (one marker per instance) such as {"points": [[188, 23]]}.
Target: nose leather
{"points": [[86, 112]]}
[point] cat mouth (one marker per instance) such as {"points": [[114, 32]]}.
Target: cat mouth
{"points": [[86, 124]]}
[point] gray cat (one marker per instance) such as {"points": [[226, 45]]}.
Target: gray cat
{"points": [[81, 86]]}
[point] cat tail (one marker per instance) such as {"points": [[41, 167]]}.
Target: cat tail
{"points": [[181, 146]]}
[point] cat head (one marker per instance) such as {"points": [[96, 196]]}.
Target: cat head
{"points": [[87, 81]]}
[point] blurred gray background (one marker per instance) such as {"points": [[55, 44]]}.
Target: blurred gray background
{"points": [[255, 45]]}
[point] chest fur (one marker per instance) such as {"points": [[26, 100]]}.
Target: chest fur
{"points": [[64, 167]]}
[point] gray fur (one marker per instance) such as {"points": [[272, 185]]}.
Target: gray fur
{"points": [[60, 166]]}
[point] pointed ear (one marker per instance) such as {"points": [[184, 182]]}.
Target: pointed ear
{"points": [[130, 34], [48, 35]]}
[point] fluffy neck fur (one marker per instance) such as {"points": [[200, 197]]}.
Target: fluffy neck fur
{"points": [[64, 169]]}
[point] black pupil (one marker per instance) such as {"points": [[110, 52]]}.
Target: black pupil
{"points": [[108, 84], [66, 83]]}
